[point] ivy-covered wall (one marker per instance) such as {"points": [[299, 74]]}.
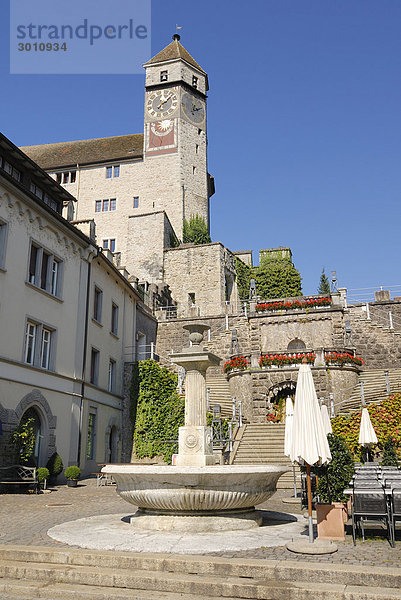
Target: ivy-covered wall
{"points": [[156, 409]]}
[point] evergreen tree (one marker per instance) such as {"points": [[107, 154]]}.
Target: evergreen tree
{"points": [[195, 231], [389, 453], [324, 286], [277, 279]]}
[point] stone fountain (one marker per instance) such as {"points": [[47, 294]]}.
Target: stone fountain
{"points": [[195, 494]]}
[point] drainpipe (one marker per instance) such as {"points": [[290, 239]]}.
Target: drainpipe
{"points": [[84, 355]]}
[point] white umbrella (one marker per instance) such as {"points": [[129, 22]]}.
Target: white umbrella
{"points": [[309, 442], [367, 434], [289, 421], [326, 419]]}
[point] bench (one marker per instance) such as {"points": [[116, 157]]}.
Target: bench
{"points": [[19, 475]]}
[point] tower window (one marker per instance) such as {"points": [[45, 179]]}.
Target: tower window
{"points": [[113, 171], [193, 170], [199, 131], [194, 82], [136, 202], [110, 244], [196, 148], [163, 75]]}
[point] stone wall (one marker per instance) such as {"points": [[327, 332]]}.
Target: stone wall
{"points": [[197, 276], [257, 388]]}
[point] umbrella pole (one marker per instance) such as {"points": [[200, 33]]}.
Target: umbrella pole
{"points": [[309, 489], [295, 482]]}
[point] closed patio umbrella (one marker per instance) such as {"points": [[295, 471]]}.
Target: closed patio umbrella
{"points": [[289, 419], [309, 441], [326, 419], [367, 435]]}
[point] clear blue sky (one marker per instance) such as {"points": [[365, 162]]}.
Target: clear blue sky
{"points": [[303, 124]]}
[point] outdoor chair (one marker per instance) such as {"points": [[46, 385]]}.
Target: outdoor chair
{"points": [[370, 505], [363, 484], [395, 507]]}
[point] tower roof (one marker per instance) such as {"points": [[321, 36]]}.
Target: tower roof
{"points": [[174, 51]]}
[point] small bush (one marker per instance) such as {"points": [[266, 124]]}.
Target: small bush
{"points": [[72, 472], [55, 464], [42, 474]]}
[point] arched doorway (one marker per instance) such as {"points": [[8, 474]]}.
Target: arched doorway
{"points": [[33, 416], [276, 397], [113, 445]]}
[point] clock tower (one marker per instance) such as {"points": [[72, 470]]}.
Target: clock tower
{"points": [[175, 142]]}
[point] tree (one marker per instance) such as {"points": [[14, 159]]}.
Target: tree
{"points": [[277, 279], [324, 286], [336, 475], [389, 453], [195, 231]]}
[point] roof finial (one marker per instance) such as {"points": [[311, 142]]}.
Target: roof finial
{"points": [[177, 36]]}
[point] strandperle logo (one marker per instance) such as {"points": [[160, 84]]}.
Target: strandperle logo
{"points": [[85, 31], [79, 36]]}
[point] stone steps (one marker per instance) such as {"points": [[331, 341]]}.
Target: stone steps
{"points": [[58, 573], [220, 394], [263, 443]]}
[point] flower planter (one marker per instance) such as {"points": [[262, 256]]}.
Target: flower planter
{"points": [[331, 519], [72, 483]]}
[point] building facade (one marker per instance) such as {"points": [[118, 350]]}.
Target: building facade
{"points": [[69, 324]]}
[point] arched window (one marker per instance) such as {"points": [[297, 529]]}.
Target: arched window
{"points": [[295, 345]]}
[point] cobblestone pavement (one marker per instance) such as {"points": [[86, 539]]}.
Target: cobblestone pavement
{"points": [[25, 519]]}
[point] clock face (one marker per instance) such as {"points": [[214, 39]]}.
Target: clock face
{"points": [[162, 103], [193, 108]]}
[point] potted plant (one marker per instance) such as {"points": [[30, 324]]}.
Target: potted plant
{"points": [[55, 466], [333, 478], [42, 475], [72, 473]]}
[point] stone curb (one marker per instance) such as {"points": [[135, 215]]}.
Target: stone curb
{"points": [[333, 573]]}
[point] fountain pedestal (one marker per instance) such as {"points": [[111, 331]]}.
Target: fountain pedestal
{"points": [[195, 448]]}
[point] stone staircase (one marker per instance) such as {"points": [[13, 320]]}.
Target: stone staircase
{"points": [[28, 572], [220, 394], [374, 388], [264, 444]]}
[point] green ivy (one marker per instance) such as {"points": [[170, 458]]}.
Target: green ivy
{"points": [[23, 440], [195, 231], [159, 411], [277, 279], [244, 274]]}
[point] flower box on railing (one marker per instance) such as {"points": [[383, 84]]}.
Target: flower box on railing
{"points": [[239, 363], [292, 305], [343, 358], [281, 360]]}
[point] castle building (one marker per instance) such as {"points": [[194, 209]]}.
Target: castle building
{"points": [[139, 188]]}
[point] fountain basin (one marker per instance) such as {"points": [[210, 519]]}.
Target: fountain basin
{"points": [[226, 490]]}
